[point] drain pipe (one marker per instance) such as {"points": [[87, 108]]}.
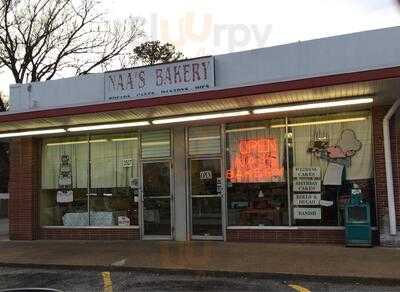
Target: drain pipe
{"points": [[389, 168]]}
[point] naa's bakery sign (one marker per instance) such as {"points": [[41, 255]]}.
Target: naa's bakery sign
{"points": [[164, 79]]}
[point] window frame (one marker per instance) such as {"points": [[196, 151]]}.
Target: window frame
{"points": [[88, 188], [290, 205]]}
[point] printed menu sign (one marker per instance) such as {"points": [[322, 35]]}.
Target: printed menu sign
{"points": [[307, 188], [306, 199], [307, 213], [307, 172], [123, 221], [306, 185]]}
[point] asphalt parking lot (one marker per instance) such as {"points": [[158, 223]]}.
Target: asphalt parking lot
{"points": [[82, 280]]}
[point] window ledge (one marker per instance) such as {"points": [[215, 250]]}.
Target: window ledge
{"points": [[289, 227], [90, 227]]}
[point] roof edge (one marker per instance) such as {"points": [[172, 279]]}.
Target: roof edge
{"points": [[297, 84]]}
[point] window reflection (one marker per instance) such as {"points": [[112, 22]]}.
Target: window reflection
{"points": [[63, 200], [256, 188], [319, 158], [331, 153], [327, 155], [113, 169], [156, 198], [78, 193]]}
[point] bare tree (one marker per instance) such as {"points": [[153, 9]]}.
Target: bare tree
{"points": [[42, 38]]}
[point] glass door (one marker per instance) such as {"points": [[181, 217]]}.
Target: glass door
{"points": [[156, 200], [206, 190]]}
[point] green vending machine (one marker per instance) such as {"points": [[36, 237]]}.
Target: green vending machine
{"points": [[358, 220]]}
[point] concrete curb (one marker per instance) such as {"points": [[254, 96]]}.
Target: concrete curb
{"points": [[230, 274]]}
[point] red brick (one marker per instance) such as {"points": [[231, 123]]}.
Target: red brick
{"points": [[23, 188]]}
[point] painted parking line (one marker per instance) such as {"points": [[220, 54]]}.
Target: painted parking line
{"points": [[107, 281], [299, 288]]}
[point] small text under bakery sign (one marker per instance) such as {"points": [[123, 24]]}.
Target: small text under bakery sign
{"points": [[165, 79]]}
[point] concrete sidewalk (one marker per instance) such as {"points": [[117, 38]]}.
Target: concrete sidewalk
{"points": [[213, 257]]}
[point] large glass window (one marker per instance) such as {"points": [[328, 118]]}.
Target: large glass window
{"points": [[296, 171], [90, 182], [113, 170], [331, 154], [319, 158], [63, 200], [256, 174]]}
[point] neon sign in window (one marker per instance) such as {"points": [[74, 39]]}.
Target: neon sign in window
{"points": [[257, 161]]}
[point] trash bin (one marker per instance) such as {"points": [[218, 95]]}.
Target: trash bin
{"points": [[357, 220]]}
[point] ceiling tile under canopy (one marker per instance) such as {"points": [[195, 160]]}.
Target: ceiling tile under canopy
{"points": [[384, 92]]}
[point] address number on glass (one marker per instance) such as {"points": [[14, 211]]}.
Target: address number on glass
{"points": [[127, 163], [207, 174]]}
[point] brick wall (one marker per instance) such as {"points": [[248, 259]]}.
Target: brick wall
{"points": [[287, 236], [23, 188], [378, 113], [318, 236], [395, 138], [379, 156], [89, 234]]}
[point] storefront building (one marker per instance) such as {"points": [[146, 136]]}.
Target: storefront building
{"points": [[263, 145]]}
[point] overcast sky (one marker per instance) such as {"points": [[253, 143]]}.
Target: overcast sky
{"points": [[211, 27]]}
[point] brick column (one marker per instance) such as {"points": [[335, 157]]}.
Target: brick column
{"points": [[24, 188], [395, 138], [380, 174], [378, 113]]}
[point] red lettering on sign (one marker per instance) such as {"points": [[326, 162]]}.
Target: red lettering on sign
{"points": [[142, 80], [196, 75], [177, 74], [159, 77], [186, 73]]}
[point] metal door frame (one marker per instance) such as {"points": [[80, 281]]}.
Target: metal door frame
{"points": [[171, 198], [221, 196], [143, 161], [189, 213]]}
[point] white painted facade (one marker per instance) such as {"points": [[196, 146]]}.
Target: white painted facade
{"points": [[328, 56]]}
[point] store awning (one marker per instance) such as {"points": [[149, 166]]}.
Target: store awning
{"points": [[381, 85]]}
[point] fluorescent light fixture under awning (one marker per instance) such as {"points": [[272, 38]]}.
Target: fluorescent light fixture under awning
{"points": [[76, 142], [204, 138], [157, 143], [316, 105], [200, 117], [124, 139], [32, 133], [108, 126], [245, 129], [321, 122]]}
